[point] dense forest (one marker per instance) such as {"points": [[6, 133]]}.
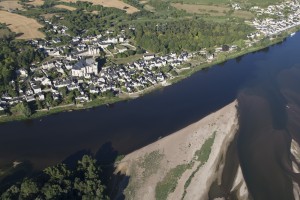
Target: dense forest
{"points": [[191, 35], [61, 182]]}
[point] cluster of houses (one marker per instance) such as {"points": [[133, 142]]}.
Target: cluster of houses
{"points": [[86, 76], [74, 66], [279, 18]]}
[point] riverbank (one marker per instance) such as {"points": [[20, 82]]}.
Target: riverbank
{"points": [[185, 164], [123, 97], [63, 108]]}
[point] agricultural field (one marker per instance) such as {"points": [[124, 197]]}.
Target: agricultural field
{"points": [[65, 7], [203, 9], [212, 10], [110, 3], [27, 28], [10, 5]]}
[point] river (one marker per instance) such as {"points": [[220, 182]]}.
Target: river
{"points": [[256, 79]]}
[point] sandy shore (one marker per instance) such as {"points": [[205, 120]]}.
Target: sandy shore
{"points": [[295, 150], [149, 166]]}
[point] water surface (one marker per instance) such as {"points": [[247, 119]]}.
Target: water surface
{"points": [[264, 83]]}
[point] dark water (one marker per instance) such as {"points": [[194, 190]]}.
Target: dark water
{"points": [[269, 112], [261, 81]]}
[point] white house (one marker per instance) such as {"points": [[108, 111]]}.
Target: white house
{"points": [[36, 89], [30, 98], [48, 66], [22, 72], [46, 81], [41, 97], [148, 56]]}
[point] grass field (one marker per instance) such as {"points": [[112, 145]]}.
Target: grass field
{"points": [[212, 10], [203, 9], [65, 7], [10, 5], [36, 2], [21, 24], [110, 3], [149, 8]]}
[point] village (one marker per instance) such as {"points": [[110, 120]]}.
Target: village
{"points": [[75, 73], [278, 18], [80, 70]]}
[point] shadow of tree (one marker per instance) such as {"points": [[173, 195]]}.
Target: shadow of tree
{"points": [[105, 156], [15, 174]]}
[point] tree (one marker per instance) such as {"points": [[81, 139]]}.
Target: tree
{"points": [[59, 182], [28, 188], [88, 181], [11, 193], [22, 109], [58, 172]]}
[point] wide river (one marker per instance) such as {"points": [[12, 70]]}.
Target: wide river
{"points": [[264, 83]]}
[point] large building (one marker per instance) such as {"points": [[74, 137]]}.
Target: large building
{"points": [[85, 68]]}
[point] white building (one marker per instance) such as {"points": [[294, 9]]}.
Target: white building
{"points": [[85, 67], [148, 56], [22, 72], [94, 51]]}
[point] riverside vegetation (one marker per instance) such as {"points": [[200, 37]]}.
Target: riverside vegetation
{"points": [[61, 182]]}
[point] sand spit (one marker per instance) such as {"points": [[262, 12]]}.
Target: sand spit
{"points": [[175, 163], [295, 150]]}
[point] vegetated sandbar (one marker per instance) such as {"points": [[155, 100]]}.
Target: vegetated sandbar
{"points": [[178, 155]]}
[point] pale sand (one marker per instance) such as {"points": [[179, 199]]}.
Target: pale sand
{"points": [[295, 150], [179, 148]]}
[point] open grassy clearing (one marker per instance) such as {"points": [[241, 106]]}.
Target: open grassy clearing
{"points": [[212, 10], [143, 2], [20, 24], [10, 5], [149, 8], [110, 3], [65, 7], [36, 2], [48, 15], [243, 14], [202, 9], [128, 59]]}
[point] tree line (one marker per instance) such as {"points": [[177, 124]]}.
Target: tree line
{"points": [[191, 35], [61, 182]]}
